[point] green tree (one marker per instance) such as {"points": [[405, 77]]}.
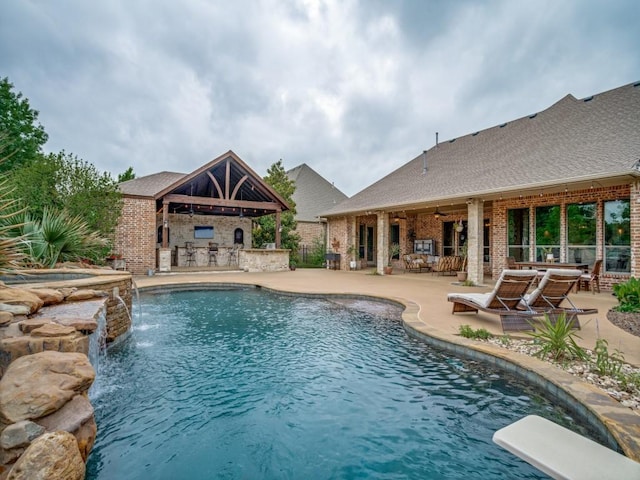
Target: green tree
{"points": [[24, 136], [126, 175], [265, 229], [64, 182]]}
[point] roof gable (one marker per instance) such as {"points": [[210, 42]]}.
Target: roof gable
{"points": [[222, 186], [313, 194]]}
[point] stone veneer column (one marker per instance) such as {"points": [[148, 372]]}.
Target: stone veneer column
{"points": [[383, 241], [475, 241], [634, 225]]}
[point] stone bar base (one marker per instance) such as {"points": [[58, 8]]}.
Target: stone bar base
{"points": [[263, 260]]}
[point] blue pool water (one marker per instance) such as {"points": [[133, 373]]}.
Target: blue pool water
{"points": [[244, 384]]}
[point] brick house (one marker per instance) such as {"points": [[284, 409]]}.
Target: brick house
{"points": [[562, 182], [163, 212], [313, 195]]}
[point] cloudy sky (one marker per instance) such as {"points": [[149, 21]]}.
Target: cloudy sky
{"points": [[353, 88]]}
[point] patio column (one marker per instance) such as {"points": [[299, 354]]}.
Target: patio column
{"points": [[278, 228], [353, 241], [383, 241], [165, 224], [475, 241]]}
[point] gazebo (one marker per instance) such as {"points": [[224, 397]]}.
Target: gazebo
{"points": [[214, 204]]}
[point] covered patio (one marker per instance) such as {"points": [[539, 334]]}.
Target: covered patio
{"points": [[200, 220]]}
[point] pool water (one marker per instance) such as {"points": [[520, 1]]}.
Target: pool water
{"points": [[253, 385]]}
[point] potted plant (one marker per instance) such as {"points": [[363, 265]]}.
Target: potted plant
{"points": [[351, 251], [462, 273], [394, 249]]}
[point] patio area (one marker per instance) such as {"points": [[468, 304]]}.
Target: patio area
{"points": [[427, 292]]}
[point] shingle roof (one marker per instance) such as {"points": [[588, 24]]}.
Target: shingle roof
{"points": [[573, 140], [150, 185], [313, 194]]}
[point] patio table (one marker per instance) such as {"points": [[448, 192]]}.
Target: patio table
{"points": [[546, 265]]}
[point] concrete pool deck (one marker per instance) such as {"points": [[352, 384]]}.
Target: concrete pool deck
{"points": [[428, 315]]}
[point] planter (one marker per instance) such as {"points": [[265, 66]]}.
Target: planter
{"points": [[353, 265], [462, 276], [627, 321], [387, 270]]}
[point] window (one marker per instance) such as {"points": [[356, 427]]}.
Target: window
{"points": [[449, 246], [518, 234], [617, 237], [202, 232], [486, 254], [394, 237], [547, 232], [581, 233]]}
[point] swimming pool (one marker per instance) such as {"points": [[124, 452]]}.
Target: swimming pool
{"points": [[249, 384]]}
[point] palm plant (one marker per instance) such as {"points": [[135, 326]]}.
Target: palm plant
{"points": [[59, 237], [56, 237], [10, 245]]}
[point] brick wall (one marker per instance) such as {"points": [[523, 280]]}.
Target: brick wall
{"points": [[598, 195], [425, 225], [309, 231], [135, 237]]}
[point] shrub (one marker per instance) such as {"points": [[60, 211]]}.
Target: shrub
{"points": [[606, 363], [557, 340], [315, 257], [628, 295], [479, 334]]}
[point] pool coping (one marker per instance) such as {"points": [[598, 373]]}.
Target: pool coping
{"points": [[619, 425]]}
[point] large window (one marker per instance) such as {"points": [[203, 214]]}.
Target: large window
{"points": [[449, 245], [394, 237], [518, 234], [617, 236], [547, 232], [581, 233]]}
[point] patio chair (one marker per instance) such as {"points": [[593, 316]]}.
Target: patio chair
{"points": [[504, 300], [553, 289], [447, 265], [591, 281], [415, 263]]}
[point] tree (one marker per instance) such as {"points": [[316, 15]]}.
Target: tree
{"points": [[126, 175], [24, 137], [265, 229], [64, 182]]}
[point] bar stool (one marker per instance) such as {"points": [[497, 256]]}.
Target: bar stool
{"points": [[213, 254], [233, 255], [190, 253]]}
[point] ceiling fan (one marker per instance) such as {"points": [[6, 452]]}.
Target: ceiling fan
{"points": [[438, 213]]}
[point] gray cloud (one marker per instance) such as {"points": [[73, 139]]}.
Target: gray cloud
{"points": [[353, 88]]}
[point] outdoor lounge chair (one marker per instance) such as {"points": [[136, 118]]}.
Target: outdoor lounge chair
{"points": [[553, 289], [504, 300]]}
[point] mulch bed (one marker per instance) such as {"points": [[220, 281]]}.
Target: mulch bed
{"points": [[628, 321]]}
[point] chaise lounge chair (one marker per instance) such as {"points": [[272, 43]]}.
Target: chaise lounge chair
{"points": [[505, 300], [552, 291]]}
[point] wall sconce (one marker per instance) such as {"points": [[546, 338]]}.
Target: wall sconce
{"points": [[166, 224]]}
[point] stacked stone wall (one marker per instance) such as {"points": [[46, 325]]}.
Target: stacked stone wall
{"points": [[118, 315]]}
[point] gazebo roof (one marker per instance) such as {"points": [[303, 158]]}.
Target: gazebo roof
{"points": [[224, 186]]}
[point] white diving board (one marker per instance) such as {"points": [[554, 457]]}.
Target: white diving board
{"points": [[563, 454]]}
